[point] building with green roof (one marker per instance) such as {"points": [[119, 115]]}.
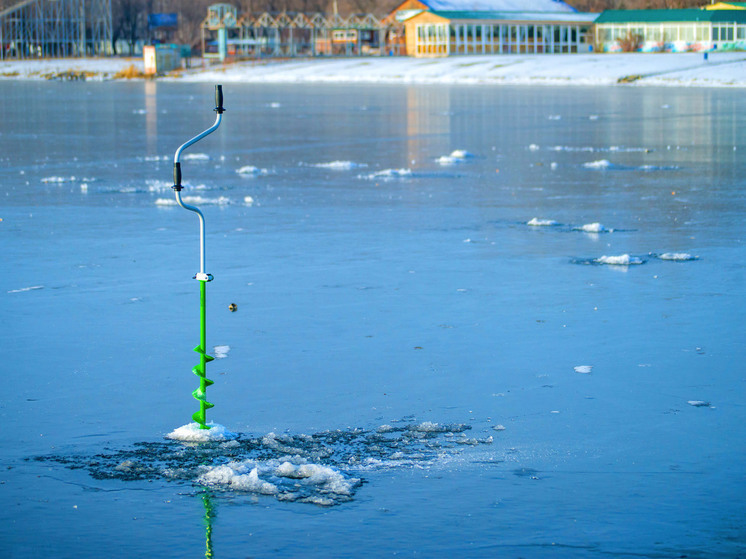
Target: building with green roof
{"points": [[452, 27], [718, 27]]}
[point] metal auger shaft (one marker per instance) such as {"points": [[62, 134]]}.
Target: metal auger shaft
{"points": [[200, 370]]}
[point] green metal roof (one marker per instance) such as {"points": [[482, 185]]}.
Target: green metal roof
{"points": [[671, 16], [574, 17]]}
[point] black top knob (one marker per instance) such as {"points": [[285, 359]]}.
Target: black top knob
{"points": [[219, 99]]}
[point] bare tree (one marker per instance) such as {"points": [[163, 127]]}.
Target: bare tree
{"points": [[128, 22]]}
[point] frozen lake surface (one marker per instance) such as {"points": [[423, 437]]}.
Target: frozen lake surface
{"points": [[470, 322]]}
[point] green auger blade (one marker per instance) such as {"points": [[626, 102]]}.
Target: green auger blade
{"points": [[200, 395], [202, 351], [199, 370], [200, 418]]}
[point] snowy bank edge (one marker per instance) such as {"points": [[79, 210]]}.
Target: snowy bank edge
{"points": [[675, 70]]}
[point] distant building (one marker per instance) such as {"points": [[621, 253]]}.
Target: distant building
{"points": [[720, 26], [228, 35], [451, 27]]}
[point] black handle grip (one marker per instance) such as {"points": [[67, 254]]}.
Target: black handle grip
{"points": [[177, 177], [219, 99]]}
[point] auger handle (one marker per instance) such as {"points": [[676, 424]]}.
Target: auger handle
{"points": [[202, 275]]}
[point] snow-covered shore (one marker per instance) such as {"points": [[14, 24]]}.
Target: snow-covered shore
{"points": [[679, 70]]}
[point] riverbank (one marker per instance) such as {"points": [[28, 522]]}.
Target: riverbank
{"points": [[676, 70]]}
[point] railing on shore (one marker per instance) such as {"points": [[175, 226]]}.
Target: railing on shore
{"points": [[59, 28]]}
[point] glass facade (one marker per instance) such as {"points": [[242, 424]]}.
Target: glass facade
{"points": [[672, 36], [502, 38]]}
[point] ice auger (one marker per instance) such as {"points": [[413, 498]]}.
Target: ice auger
{"points": [[200, 370]]}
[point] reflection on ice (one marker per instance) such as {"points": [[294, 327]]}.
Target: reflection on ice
{"points": [[324, 468]]}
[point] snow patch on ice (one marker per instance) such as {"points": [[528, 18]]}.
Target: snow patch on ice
{"points": [[630, 149], [388, 174], [196, 157], [24, 289], [615, 149], [677, 256], [572, 148], [290, 479], [593, 228], [155, 185], [251, 171], [234, 475], [456, 156], [430, 427], [658, 168], [220, 201], [601, 164], [221, 351], [339, 165], [58, 179], [606, 165], [193, 434], [699, 403], [536, 222], [621, 260]]}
